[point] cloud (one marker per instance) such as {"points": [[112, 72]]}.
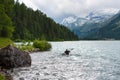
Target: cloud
{"points": [[57, 8], [103, 3]]}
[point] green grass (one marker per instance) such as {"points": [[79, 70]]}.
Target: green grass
{"points": [[26, 47], [2, 77], [37, 45], [42, 45], [5, 42]]}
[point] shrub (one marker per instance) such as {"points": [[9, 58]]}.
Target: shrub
{"points": [[26, 47], [42, 45], [5, 42], [2, 77], [18, 40]]}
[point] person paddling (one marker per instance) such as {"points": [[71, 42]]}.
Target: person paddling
{"points": [[67, 52]]}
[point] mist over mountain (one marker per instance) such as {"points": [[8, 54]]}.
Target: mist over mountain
{"points": [[84, 27], [101, 15]]}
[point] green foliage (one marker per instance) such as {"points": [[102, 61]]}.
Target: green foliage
{"points": [[43, 37], [6, 27], [18, 40], [31, 25], [26, 46], [9, 4], [2, 77], [42, 45], [5, 42], [7, 31]]}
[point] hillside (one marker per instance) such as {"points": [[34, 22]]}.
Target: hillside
{"points": [[111, 30], [30, 25]]}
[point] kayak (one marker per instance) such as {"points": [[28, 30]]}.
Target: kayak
{"points": [[64, 54]]}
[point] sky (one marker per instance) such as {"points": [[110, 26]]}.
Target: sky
{"points": [[58, 9]]}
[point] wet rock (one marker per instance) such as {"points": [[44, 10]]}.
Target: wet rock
{"points": [[11, 57]]}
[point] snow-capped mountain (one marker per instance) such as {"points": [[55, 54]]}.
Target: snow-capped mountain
{"points": [[73, 22], [78, 21], [101, 15], [94, 16], [92, 22], [69, 20]]}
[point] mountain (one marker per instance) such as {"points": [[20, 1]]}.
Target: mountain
{"points": [[30, 25], [101, 15], [73, 21], [111, 30], [87, 26]]}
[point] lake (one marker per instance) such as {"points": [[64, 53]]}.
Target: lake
{"points": [[89, 60]]}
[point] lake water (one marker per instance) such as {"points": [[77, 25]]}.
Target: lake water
{"points": [[89, 60]]}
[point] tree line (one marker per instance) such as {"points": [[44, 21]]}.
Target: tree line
{"points": [[26, 24]]}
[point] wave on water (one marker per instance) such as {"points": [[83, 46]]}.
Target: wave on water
{"points": [[90, 60]]}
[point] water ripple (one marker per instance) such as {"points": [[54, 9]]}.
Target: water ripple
{"points": [[89, 60]]}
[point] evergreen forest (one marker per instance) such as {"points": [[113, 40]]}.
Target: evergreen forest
{"points": [[19, 22]]}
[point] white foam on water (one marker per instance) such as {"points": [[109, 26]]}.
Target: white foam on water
{"points": [[90, 60]]}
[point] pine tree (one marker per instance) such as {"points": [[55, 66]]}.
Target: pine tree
{"points": [[30, 24], [6, 27]]}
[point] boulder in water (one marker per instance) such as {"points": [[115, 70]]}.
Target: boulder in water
{"points": [[12, 57]]}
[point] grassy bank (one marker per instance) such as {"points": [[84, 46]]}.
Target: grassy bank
{"points": [[37, 45], [5, 42], [26, 46]]}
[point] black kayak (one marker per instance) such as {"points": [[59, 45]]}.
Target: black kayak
{"points": [[65, 54]]}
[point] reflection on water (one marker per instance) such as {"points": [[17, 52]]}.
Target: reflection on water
{"points": [[89, 60]]}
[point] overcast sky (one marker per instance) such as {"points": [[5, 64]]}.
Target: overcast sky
{"points": [[60, 8]]}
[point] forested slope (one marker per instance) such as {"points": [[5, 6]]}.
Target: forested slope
{"points": [[30, 25]]}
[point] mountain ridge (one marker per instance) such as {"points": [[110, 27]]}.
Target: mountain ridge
{"points": [[111, 30], [91, 23]]}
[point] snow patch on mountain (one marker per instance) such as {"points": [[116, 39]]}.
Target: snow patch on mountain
{"points": [[89, 24], [97, 16], [101, 15], [69, 20], [73, 21]]}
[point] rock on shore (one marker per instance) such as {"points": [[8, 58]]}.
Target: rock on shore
{"points": [[11, 57]]}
